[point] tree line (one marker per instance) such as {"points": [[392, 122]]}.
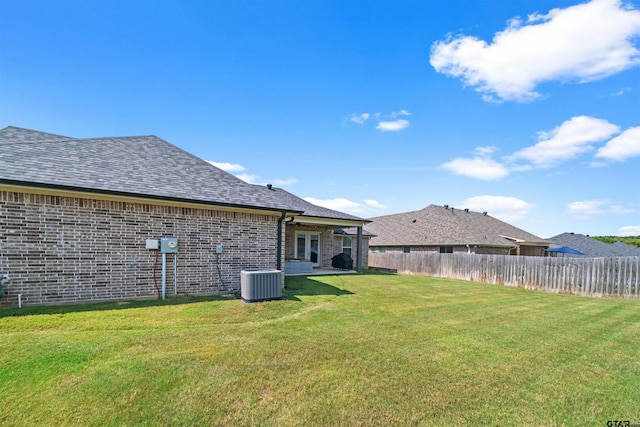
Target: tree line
{"points": [[629, 240]]}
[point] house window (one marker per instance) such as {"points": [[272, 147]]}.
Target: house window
{"points": [[406, 250], [446, 249], [383, 250], [347, 243]]}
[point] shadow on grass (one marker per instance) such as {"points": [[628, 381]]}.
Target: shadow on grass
{"points": [[109, 305], [308, 286], [294, 286]]}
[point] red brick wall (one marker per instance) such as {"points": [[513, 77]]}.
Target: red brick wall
{"points": [[68, 249]]}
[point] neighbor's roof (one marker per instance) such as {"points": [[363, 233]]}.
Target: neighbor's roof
{"points": [[592, 247], [138, 166], [446, 226]]}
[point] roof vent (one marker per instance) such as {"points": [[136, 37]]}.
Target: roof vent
{"points": [[466, 210], [414, 221], [446, 206], [484, 213], [270, 187]]}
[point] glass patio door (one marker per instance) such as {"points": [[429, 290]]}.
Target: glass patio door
{"points": [[308, 246]]}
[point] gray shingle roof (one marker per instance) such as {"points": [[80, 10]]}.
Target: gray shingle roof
{"points": [[296, 203], [438, 226], [12, 133], [625, 250], [144, 166], [592, 247]]}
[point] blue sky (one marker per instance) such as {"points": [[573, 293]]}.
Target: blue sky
{"points": [[529, 110]]}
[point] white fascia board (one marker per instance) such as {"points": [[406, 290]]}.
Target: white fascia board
{"points": [[325, 221]]}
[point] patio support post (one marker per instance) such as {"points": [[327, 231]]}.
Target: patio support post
{"points": [[359, 253]]}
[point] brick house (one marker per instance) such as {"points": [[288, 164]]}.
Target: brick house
{"points": [[76, 214], [444, 229]]}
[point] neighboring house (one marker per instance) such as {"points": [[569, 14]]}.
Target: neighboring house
{"points": [[592, 247], [445, 229], [76, 214]]}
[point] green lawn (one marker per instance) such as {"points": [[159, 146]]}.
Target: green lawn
{"points": [[370, 349]]}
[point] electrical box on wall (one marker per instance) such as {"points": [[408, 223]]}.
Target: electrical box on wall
{"points": [[153, 244], [169, 245], [218, 249]]}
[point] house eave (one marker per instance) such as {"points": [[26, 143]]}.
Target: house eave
{"points": [[525, 242], [337, 222], [68, 191]]}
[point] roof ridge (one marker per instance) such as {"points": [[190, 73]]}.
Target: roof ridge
{"points": [[10, 127]]}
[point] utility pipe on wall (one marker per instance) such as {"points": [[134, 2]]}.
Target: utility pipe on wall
{"points": [[164, 275], [175, 274]]}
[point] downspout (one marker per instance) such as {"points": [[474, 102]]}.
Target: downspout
{"points": [[359, 254], [279, 254]]}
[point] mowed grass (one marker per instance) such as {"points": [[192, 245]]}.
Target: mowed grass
{"points": [[370, 349]]}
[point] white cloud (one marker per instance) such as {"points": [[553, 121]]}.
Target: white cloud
{"points": [[285, 182], [621, 91], [254, 179], [569, 140], [341, 204], [393, 126], [375, 204], [589, 208], [228, 167], [629, 230], [477, 167], [504, 208], [485, 151], [383, 122], [360, 118], [400, 113], [622, 147], [581, 43], [251, 179]]}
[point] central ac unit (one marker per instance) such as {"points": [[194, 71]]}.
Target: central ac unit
{"points": [[260, 285]]}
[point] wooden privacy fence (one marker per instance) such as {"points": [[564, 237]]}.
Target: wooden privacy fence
{"points": [[615, 277]]}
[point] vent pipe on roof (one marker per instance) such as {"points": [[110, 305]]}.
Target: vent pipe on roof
{"points": [[466, 210], [270, 187], [446, 206], [484, 213]]}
